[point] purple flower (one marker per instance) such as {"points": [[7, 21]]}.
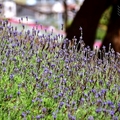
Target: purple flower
{"points": [[104, 103], [61, 75], [18, 93], [104, 110], [46, 70], [90, 118], [119, 107], [4, 69], [73, 103], [55, 81], [99, 102], [1, 5], [37, 78], [115, 118], [15, 33], [98, 110], [80, 28], [1, 27], [61, 104], [73, 118], [69, 116], [66, 60], [112, 113], [104, 47], [101, 82], [119, 104], [11, 76], [3, 62], [33, 101], [38, 117], [93, 90], [81, 74], [10, 96], [28, 32], [67, 105], [14, 59], [54, 115], [67, 67], [103, 91], [23, 25], [44, 110], [91, 81], [23, 114], [46, 84], [55, 96], [109, 103], [82, 100], [52, 66]]}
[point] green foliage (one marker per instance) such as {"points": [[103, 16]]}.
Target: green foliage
{"points": [[100, 33], [39, 80], [106, 16]]}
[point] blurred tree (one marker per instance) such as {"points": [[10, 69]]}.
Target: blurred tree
{"points": [[65, 14], [88, 18]]}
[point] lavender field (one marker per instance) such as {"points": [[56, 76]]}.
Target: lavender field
{"points": [[41, 81]]}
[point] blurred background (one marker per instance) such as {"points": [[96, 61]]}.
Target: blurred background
{"points": [[55, 14]]}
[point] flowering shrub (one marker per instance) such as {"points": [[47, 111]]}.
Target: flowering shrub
{"points": [[39, 80]]}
